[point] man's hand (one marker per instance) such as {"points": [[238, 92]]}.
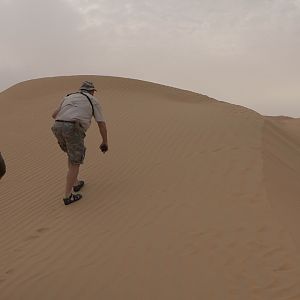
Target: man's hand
{"points": [[102, 128], [103, 147]]}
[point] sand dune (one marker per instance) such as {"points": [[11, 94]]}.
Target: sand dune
{"points": [[196, 199]]}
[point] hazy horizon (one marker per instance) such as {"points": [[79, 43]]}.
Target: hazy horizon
{"points": [[242, 52]]}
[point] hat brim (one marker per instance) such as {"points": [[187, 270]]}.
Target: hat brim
{"points": [[88, 90]]}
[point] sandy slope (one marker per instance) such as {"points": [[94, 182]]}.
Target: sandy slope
{"points": [[196, 199]]}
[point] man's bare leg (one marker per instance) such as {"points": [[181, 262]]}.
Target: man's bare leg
{"points": [[71, 178], [76, 180]]}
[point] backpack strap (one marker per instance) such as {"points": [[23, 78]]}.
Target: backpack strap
{"points": [[86, 97]]}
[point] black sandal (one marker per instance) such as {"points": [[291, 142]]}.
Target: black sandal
{"points": [[72, 198], [78, 187]]}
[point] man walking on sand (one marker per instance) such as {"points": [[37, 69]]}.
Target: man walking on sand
{"points": [[2, 166], [72, 119]]}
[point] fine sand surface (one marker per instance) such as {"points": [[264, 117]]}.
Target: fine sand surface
{"points": [[196, 199]]}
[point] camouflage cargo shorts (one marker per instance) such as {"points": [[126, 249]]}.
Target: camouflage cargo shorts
{"points": [[70, 137]]}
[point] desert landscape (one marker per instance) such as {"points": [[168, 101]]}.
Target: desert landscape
{"points": [[195, 199]]}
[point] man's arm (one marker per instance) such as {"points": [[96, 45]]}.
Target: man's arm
{"points": [[55, 113], [57, 110], [103, 132]]}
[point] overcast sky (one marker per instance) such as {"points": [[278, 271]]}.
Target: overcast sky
{"points": [[238, 51]]}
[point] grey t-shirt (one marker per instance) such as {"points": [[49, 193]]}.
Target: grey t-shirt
{"points": [[76, 107]]}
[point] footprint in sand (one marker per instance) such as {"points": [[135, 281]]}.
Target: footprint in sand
{"points": [[31, 237], [35, 236], [42, 229]]}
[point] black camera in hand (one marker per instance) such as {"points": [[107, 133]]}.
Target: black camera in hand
{"points": [[103, 147]]}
